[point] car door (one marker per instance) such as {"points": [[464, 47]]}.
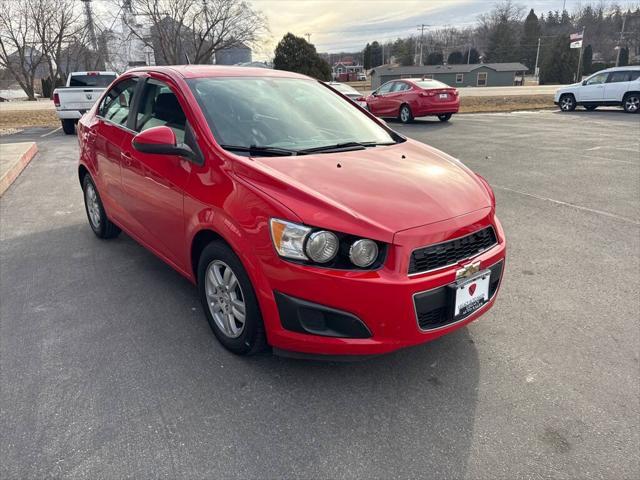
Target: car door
{"points": [[107, 134], [377, 106], [617, 85], [154, 184], [592, 90], [396, 97]]}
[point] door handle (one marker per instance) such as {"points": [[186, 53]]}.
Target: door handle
{"points": [[126, 158]]}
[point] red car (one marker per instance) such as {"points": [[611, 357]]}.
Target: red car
{"points": [[306, 223], [409, 98]]}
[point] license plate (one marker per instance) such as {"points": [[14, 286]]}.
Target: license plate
{"points": [[471, 294], [444, 96]]}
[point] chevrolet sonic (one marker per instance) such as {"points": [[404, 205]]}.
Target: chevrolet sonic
{"points": [[307, 224]]}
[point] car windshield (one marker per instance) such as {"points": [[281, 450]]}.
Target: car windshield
{"points": [[344, 89], [91, 80], [289, 114]]}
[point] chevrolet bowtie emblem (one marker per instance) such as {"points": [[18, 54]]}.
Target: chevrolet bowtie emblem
{"points": [[468, 270]]}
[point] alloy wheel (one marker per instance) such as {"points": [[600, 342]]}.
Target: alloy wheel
{"points": [[405, 114], [93, 206], [225, 299], [632, 103], [566, 103]]}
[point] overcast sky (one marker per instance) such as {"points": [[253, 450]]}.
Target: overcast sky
{"points": [[347, 25]]}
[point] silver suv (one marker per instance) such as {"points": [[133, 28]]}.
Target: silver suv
{"points": [[618, 86]]}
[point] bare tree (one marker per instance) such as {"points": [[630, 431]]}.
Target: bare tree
{"points": [[58, 24], [18, 42], [183, 31]]}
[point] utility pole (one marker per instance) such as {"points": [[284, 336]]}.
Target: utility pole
{"points": [[578, 76], [421, 27], [536, 71], [624, 21]]}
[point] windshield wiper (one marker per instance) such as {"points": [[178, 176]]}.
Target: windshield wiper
{"points": [[261, 150], [345, 146]]}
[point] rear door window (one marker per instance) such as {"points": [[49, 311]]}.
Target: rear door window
{"points": [[616, 77], [116, 104]]}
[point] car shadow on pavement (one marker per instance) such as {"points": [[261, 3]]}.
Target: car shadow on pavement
{"points": [[106, 350]]}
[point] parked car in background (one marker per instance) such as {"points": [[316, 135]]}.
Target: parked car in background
{"points": [[619, 86], [79, 95], [409, 98], [349, 91], [306, 223]]}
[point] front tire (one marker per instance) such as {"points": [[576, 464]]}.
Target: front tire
{"points": [[229, 300], [68, 126], [444, 117], [405, 115], [567, 102], [631, 103], [98, 220]]}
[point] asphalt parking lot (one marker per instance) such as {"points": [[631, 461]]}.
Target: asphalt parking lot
{"points": [[108, 368]]}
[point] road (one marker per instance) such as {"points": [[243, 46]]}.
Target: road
{"points": [[109, 370]]}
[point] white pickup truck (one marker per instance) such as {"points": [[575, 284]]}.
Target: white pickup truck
{"points": [[79, 95]]}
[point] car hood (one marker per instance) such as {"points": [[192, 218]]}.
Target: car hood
{"points": [[374, 192]]}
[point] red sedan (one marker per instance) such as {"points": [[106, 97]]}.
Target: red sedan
{"points": [[409, 98], [305, 222]]}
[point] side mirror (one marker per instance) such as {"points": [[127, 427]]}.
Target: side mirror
{"points": [[162, 141], [584, 82]]}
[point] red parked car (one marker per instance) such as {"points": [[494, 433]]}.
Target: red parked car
{"points": [[409, 98], [306, 223]]}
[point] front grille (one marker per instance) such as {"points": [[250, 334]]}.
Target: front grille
{"points": [[433, 318], [451, 252]]}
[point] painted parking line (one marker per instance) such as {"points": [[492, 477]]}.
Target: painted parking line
{"points": [[51, 132], [572, 205]]}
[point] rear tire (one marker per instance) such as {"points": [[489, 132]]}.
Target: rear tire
{"points": [[405, 115], [98, 220], [631, 103], [225, 295], [590, 108], [444, 117], [567, 102], [68, 126]]}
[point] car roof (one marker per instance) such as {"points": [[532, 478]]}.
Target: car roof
{"points": [[208, 71], [416, 81], [620, 69]]}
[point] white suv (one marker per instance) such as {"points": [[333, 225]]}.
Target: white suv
{"points": [[618, 86]]}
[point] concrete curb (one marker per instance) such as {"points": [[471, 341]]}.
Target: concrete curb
{"points": [[17, 166]]}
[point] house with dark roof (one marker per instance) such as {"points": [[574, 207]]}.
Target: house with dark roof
{"points": [[465, 75]]}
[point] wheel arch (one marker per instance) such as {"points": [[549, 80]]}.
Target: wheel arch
{"points": [[200, 240], [83, 171]]}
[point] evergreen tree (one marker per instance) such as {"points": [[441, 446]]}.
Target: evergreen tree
{"points": [[366, 57], [529, 40], [559, 62], [456, 58], [295, 54], [435, 58], [501, 42], [471, 56], [376, 55], [624, 57], [587, 60]]}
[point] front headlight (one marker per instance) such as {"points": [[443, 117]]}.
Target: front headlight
{"points": [[288, 238], [325, 248]]}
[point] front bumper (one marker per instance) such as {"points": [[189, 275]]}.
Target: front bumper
{"points": [[382, 299]]}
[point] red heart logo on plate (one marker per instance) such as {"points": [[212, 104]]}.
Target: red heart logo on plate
{"points": [[472, 288]]}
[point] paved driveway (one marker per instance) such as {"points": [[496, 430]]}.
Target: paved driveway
{"points": [[108, 368]]}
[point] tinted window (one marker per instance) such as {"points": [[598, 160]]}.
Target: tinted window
{"points": [[634, 75], [91, 80], [400, 87], [159, 107], [281, 112], [619, 77], [117, 103]]}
